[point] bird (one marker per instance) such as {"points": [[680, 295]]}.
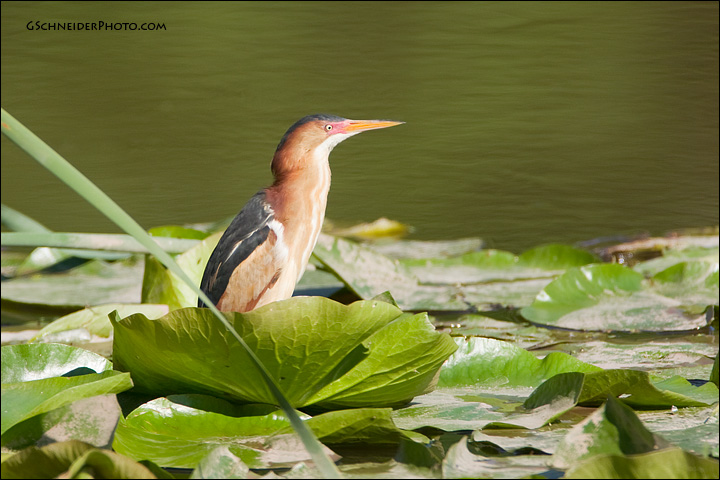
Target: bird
{"points": [[263, 253]]}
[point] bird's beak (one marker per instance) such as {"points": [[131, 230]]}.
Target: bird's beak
{"points": [[357, 126]]}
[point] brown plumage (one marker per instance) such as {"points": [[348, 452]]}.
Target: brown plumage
{"points": [[264, 251]]}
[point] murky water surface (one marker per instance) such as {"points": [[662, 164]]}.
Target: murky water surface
{"points": [[526, 123]]}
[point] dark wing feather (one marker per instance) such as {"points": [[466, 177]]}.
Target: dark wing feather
{"points": [[248, 230]]}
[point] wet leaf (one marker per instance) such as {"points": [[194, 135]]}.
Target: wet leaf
{"points": [[613, 429], [607, 297], [487, 361], [179, 431], [427, 249], [460, 462], [39, 378], [307, 344], [692, 283], [380, 228], [634, 388], [91, 420], [161, 286], [492, 265], [95, 321], [668, 463], [94, 283], [71, 459], [220, 462], [23, 363]]}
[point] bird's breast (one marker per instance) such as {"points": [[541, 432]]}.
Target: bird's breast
{"points": [[300, 211]]}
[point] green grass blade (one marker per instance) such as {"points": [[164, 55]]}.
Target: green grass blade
{"points": [[61, 168], [93, 241], [20, 222]]}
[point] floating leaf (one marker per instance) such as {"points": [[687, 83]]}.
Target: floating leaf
{"points": [[179, 431], [653, 353], [674, 256], [692, 283], [306, 343], [634, 388], [30, 385], [220, 462], [68, 459], [494, 362], [24, 363], [162, 286], [492, 265], [94, 283], [402, 362], [367, 273], [607, 297], [612, 429], [668, 463], [91, 420], [427, 249], [380, 228], [460, 462], [95, 320]]}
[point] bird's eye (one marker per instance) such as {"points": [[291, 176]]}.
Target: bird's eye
{"points": [[328, 127]]}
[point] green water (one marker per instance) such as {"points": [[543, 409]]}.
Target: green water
{"points": [[527, 123]]}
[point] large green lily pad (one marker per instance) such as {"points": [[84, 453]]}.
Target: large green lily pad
{"points": [[180, 430], [368, 273], [318, 351], [494, 265], [610, 297], [72, 459], [39, 378]]}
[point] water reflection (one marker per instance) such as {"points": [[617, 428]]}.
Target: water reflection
{"points": [[526, 123]]}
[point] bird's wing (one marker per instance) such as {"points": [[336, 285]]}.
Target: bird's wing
{"points": [[242, 267]]}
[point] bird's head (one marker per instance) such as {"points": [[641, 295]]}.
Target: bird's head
{"points": [[312, 138]]}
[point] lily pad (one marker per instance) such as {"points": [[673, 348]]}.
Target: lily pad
{"points": [[693, 283], [67, 459], [634, 388], [493, 265], [179, 431], [613, 429], [693, 429], [651, 354], [367, 274], [460, 462], [31, 385], [674, 256], [91, 420], [94, 283], [667, 463], [306, 343], [427, 249], [95, 321], [380, 228], [607, 297], [220, 462], [159, 285], [24, 363], [494, 362]]}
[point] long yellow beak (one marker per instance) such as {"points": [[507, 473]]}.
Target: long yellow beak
{"points": [[362, 125]]}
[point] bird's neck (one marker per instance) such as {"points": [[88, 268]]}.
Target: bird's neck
{"points": [[302, 182], [299, 198]]}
